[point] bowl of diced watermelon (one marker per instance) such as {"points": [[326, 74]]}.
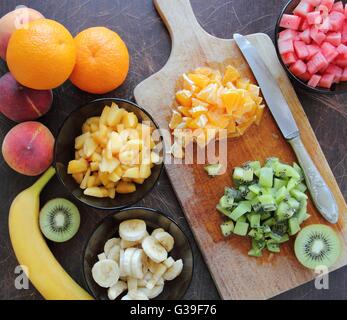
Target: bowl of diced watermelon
{"points": [[311, 43]]}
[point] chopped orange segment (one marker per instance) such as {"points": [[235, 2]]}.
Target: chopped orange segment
{"points": [[231, 75], [199, 80], [198, 111], [210, 101], [176, 119], [197, 102], [184, 98], [209, 94], [184, 111], [219, 120], [233, 100]]}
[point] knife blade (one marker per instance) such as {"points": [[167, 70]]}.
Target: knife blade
{"points": [[320, 192]]}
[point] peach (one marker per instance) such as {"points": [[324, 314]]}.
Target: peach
{"points": [[19, 103], [15, 20], [28, 148]]}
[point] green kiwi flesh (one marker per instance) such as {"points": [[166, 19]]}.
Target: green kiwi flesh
{"points": [[317, 245], [59, 220]]}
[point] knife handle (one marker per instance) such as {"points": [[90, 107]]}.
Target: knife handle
{"points": [[320, 192]]}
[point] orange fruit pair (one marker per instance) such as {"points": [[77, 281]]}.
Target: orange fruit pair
{"points": [[102, 61], [41, 55]]}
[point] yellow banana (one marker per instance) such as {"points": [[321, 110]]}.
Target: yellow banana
{"points": [[31, 250]]}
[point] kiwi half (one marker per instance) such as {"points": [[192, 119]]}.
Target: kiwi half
{"points": [[59, 220], [317, 245]]}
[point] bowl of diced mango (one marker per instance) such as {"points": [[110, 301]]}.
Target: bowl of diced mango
{"points": [[109, 153]]}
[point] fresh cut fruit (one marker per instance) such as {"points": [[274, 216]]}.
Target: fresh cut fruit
{"points": [[31, 249], [317, 245], [19, 103], [28, 148], [102, 63], [12, 21], [42, 55], [59, 220]]}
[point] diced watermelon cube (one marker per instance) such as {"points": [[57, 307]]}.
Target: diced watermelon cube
{"points": [[298, 68], [344, 75], [290, 21], [341, 62], [336, 20], [303, 9], [314, 17], [323, 9], [326, 81], [289, 58], [338, 6], [285, 46], [325, 26], [342, 49], [317, 36], [334, 38], [300, 49], [344, 33], [287, 34], [336, 71], [328, 3], [305, 36], [345, 10], [304, 25], [314, 80], [305, 76], [316, 63], [329, 51], [312, 50]]}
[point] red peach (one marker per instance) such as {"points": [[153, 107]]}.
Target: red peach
{"points": [[28, 148], [19, 103], [13, 20]]}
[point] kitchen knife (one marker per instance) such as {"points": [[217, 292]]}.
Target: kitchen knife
{"points": [[320, 192]]}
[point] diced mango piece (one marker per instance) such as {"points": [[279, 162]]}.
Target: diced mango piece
{"points": [[259, 114], [125, 187], [108, 165], [219, 120], [203, 70], [77, 166], [78, 177], [96, 192], [176, 119], [83, 184], [132, 173], [184, 111], [115, 116], [104, 115], [91, 182], [89, 146], [145, 171], [197, 102], [209, 94], [130, 120], [198, 111], [112, 193], [79, 141], [242, 83]]}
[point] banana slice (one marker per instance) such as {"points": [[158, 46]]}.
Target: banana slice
{"points": [[169, 262], [124, 244], [139, 264], [105, 273], [111, 243], [102, 256], [127, 260], [155, 231], [152, 266], [132, 230], [156, 276], [160, 282], [122, 274], [137, 295], [154, 250], [114, 253], [152, 293], [132, 284], [174, 271], [166, 240], [126, 297], [116, 290]]}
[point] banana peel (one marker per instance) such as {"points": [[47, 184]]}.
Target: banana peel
{"points": [[31, 249]]}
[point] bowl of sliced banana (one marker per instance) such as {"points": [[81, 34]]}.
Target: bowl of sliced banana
{"points": [[138, 254]]}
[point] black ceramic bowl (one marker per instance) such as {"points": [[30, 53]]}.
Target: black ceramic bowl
{"points": [[64, 152], [335, 89], [108, 228]]}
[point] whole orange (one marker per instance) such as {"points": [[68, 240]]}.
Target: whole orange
{"points": [[102, 62], [41, 55]]}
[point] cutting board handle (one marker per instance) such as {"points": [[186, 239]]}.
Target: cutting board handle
{"points": [[179, 18]]}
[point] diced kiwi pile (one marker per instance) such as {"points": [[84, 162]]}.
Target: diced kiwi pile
{"points": [[268, 204]]}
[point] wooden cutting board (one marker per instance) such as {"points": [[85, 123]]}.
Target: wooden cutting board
{"points": [[237, 276]]}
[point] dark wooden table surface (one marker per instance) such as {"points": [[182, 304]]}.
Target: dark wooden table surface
{"points": [[148, 41]]}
